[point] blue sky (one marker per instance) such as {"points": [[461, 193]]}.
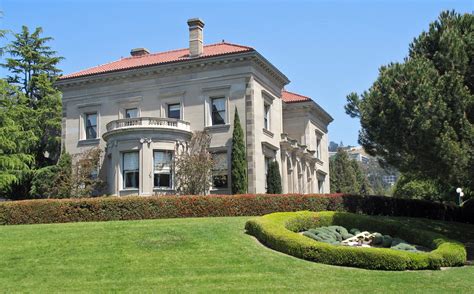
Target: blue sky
{"points": [[326, 48]]}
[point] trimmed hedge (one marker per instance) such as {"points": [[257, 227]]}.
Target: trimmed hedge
{"points": [[279, 231], [133, 207]]}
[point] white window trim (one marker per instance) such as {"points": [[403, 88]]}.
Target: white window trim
{"points": [[166, 109], [226, 151], [84, 110], [133, 103], [122, 174], [222, 91]]}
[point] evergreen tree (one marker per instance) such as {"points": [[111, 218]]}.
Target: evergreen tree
{"points": [[273, 178], [419, 114], [32, 66], [15, 141], [238, 158], [346, 175]]}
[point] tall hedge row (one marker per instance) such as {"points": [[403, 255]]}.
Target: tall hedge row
{"points": [[133, 207]]}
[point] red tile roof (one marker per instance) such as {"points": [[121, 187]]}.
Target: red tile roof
{"points": [[290, 97], [132, 62]]}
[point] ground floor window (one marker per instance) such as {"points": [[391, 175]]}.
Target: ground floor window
{"points": [[162, 167], [321, 185], [219, 170], [130, 170]]}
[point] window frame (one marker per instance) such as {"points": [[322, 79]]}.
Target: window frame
{"points": [[224, 116], [86, 127], [134, 171], [166, 171], [319, 140]]}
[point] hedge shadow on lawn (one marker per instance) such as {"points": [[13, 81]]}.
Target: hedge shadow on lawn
{"points": [[279, 231]]}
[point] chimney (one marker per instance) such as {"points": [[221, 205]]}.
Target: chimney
{"points": [[195, 37], [139, 52]]}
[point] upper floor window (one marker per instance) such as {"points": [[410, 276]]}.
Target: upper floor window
{"points": [[218, 111], [174, 111], [91, 125], [131, 113], [162, 168], [318, 147], [130, 170], [266, 116], [219, 170]]}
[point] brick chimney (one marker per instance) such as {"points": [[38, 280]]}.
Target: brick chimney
{"points": [[195, 37], [139, 52]]}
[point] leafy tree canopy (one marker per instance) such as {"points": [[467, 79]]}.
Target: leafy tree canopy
{"points": [[419, 114]]}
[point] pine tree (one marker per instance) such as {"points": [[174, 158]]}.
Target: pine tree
{"points": [[238, 158], [418, 116], [273, 178], [346, 175]]}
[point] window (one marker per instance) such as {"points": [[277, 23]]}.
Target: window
{"points": [[266, 116], [131, 174], [321, 185], [131, 113], [91, 125], [267, 163], [218, 111], [162, 161], [318, 147], [174, 111], [219, 170]]}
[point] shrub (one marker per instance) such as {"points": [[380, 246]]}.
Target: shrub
{"points": [[272, 230], [133, 207]]}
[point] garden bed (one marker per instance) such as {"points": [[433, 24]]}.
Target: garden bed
{"points": [[281, 231]]}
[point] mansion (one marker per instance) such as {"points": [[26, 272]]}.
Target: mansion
{"points": [[138, 109]]}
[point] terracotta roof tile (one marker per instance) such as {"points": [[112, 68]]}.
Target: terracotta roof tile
{"points": [[290, 97], [132, 62]]}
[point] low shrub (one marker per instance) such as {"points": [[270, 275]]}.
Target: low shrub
{"points": [[279, 231], [133, 207]]}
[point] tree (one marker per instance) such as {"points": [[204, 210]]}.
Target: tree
{"points": [[273, 178], [193, 166], [30, 59], [55, 181], [346, 174], [16, 141], [238, 158], [32, 66], [86, 181], [418, 115]]}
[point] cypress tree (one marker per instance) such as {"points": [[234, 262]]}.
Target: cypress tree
{"points": [[273, 178], [238, 158]]}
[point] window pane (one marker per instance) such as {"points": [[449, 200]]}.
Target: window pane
{"points": [[218, 118], [162, 159], [91, 120], [131, 113], [130, 161], [220, 161], [131, 179], [218, 111], [174, 111], [218, 104], [219, 181], [162, 180], [91, 132]]}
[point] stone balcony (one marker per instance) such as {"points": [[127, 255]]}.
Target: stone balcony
{"points": [[147, 125]]}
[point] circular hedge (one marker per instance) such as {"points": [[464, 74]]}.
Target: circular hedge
{"points": [[279, 231]]}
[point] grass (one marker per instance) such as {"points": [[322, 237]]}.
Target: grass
{"points": [[191, 255]]}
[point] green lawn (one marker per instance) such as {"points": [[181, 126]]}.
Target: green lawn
{"points": [[189, 255]]}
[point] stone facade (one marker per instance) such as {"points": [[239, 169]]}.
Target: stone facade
{"points": [[140, 115]]}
